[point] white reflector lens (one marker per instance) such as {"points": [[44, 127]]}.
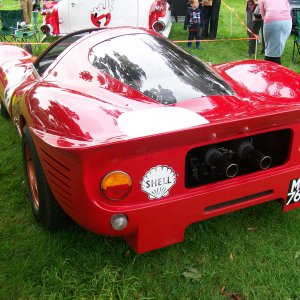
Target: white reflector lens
{"points": [[119, 221]]}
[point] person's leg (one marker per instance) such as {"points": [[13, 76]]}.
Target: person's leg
{"points": [[205, 15], [198, 37], [262, 38], [276, 60], [257, 25], [249, 19], [267, 29], [29, 10], [276, 34], [190, 38], [23, 5], [285, 31], [214, 18], [269, 58], [173, 10]]}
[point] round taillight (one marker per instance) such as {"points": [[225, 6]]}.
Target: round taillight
{"points": [[158, 26], [116, 185], [45, 29]]}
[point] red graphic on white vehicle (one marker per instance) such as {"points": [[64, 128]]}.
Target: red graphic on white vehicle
{"points": [[102, 13]]}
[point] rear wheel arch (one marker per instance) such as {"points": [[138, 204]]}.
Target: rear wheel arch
{"points": [[4, 112], [44, 206], [22, 124]]}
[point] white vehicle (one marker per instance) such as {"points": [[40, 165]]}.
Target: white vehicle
{"points": [[64, 16]]}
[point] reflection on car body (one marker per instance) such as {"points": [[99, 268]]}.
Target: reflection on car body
{"points": [[140, 139]]}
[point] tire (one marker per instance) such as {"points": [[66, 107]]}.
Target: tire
{"points": [[4, 112], [45, 209]]}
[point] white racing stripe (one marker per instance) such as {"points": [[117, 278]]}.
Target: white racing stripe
{"points": [[158, 120]]}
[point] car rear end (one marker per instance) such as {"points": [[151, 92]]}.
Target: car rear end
{"points": [[155, 15], [119, 178], [149, 189], [50, 25]]}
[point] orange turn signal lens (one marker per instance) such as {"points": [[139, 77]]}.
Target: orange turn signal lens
{"points": [[116, 185]]}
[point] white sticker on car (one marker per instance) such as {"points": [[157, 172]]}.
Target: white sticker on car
{"points": [[294, 192], [158, 181]]}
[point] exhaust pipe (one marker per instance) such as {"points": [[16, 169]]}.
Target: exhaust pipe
{"points": [[214, 157], [247, 151]]}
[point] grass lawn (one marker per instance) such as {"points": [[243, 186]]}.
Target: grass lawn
{"points": [[249, 254]]}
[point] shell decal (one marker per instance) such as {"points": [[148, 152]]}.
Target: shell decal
{"points": [[158, 181]]}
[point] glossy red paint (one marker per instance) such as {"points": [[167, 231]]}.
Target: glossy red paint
{"points": [[50, 12], [97, 20], [73, 110], [158, 10]]}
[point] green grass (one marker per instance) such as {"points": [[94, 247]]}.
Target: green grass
{"points": [[253, 253], [227, 47]]}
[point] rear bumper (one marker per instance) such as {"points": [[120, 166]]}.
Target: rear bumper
{"points": [[163, 224], [74, 178], [154, 224]]}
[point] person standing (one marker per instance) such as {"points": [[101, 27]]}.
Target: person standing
{"points": [[210, 12], [173, 9], [193, 21], [277, 27], [250, 6], [257, 26]]}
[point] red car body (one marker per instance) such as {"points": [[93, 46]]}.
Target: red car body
{"points": [[191, 154]]}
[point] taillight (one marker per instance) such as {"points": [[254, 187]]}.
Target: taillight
{"points": [[158, 26], [116, 185], [157, 11], [46, 29]]}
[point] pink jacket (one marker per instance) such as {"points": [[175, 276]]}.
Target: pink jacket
{"points": [[274, 10]]}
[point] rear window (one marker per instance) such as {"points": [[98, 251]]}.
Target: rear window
{"points": [[50, 55], [157, 68]]}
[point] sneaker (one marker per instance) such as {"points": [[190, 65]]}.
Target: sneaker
{"points": [[23, 24]]}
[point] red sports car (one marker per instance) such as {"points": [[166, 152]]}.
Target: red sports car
{"points": [[129, 135]]}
